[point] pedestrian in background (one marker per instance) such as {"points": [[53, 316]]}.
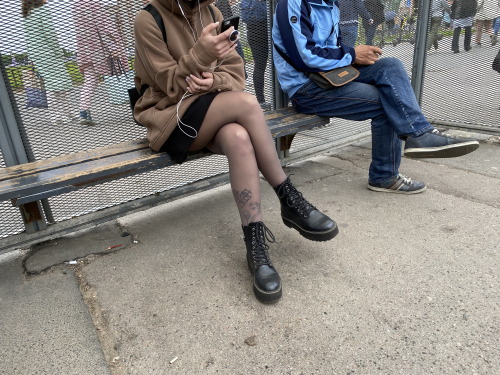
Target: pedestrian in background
{"points": [[99, 46], [376, 10], [438, 7], [487, 11], [254, 14], [462, 16], [225, 8], [350, 10], [48, 58], [496, 26]]}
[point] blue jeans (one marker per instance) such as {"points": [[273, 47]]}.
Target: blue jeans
{"points": [[496, 25], [349, 34], [370, 31], [382, 93]]}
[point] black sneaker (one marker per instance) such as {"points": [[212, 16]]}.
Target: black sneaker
{"points": [[399, 185], [434, 144]]}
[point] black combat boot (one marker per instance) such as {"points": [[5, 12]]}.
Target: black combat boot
{"points": [[266, 282], [299, 214]]}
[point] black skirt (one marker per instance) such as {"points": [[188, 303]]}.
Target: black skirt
{"points": [[177, 145]]}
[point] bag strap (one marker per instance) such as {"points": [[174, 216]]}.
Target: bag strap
{"points": [[159, 21], [211, 12], [288, 59]]}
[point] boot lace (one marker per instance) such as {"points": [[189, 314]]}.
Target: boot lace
{"points": [[260, 250], [294, 198]]}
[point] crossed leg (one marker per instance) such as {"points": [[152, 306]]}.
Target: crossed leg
{"points": [[235, 126]]}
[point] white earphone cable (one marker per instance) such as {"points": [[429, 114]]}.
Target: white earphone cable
{"points": [[180, 124]]}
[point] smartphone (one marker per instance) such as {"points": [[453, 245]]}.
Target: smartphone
{"points": [[227, 23]]}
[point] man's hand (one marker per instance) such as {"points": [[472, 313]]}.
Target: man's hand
{"points": [[200, 85], [217, 45], [367, 55]]}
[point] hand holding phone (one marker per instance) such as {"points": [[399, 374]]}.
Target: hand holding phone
{"points": [[227, 23]]}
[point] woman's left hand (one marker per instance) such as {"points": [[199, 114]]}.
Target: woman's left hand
{"points": [[198, 85]]}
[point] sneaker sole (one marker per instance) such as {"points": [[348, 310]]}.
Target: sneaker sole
{"points": [[384, 190], [450, 151], [312, 236]]}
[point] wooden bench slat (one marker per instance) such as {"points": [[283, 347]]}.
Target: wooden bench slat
{"points": [[75, 180], [74, 158], [74, 174], [61, 174]]}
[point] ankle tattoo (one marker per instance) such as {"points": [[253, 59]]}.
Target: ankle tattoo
{"points": [[252, 213]]}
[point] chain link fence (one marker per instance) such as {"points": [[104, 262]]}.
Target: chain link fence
{"points": [[61, 108]]}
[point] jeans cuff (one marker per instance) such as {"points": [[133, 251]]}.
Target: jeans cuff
{"points": [[418, 132]]}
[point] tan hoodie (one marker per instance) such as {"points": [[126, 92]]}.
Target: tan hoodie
{"points": [[165, 67]]}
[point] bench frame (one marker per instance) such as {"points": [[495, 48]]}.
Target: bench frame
{"points": [[28, 185]]}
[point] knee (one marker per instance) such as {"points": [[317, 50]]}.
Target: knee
{"points": [[393, 66], [249, 103], [392, 62], [237, 141]]}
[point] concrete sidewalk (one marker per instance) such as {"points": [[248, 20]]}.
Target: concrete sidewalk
{"points": [[409, 286]]}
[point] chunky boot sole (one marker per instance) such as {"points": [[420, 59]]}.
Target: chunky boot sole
{"points": [[450, 151], [313, 236], [264, 296]]}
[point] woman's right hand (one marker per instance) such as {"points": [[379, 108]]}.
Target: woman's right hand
{"points": [[218, 45]]}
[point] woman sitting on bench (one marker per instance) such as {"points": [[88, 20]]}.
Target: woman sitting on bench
{"points": [[195, 101]]}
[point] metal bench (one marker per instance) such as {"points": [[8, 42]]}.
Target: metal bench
{"points": [[26, 185]]}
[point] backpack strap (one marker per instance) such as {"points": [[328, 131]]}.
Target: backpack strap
{"points": [[211, 11], [159, 21]]}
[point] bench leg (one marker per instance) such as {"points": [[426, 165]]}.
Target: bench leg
{"points": [[32, 217], [283, 145]]}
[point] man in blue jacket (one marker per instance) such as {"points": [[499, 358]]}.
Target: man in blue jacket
{"points": [[307, 31]]}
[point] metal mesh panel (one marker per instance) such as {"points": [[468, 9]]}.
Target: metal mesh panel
{"points": [[461, 86], [43, 54], [130, 188], [254, 46], [458, 87], [46, 49]]}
